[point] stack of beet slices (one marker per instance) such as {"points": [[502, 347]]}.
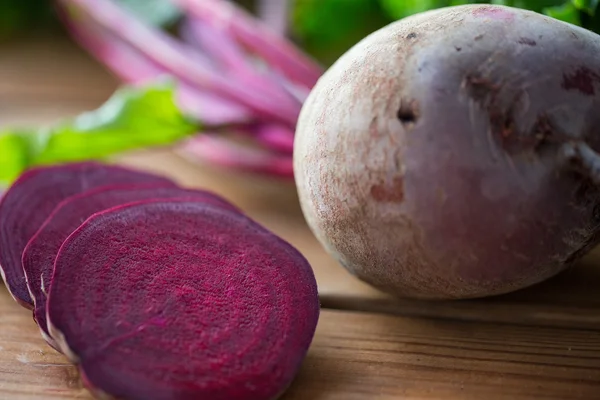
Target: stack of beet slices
{"points": [[156, 291]]}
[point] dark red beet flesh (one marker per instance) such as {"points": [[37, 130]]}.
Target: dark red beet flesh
{"points": [[182, 300], [31, 199], [40, 252]]}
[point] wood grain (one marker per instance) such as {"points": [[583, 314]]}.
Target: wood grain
{"points": [[366, 356], [29, 368], [569, 300], [357, 356]]}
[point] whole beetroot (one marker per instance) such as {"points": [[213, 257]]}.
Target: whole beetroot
{"points": [[453, 154]]}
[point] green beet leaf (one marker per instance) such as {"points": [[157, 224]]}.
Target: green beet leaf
{"points": [[154, 12], [133, 118]]}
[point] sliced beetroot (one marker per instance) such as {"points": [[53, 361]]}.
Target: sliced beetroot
{"points": [[40, 252], [31, 199], [182, 300]]}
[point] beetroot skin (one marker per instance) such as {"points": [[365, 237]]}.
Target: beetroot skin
{"points": [[182, 300], [31, 199], [40, 252], [455, 153]]}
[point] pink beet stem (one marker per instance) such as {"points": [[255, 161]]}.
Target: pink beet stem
{"points": [[275, 49], [222, 151], [222, 47], [275, 14], [133, 67], [298, 91], [219, 45], [209, 108], [181, 61], [275, 136], [270, 136]]}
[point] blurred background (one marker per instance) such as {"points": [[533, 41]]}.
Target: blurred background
{"points": [[324, 28], [221, 81]]}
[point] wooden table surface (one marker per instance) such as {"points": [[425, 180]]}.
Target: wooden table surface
{"points": [[539, 343]]}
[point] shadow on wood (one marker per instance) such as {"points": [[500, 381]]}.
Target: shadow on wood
{"points": [[570, 299]]}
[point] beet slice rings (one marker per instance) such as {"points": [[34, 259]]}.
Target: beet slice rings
{"points": [[33, 197], [182, 300], [41, 250], [155, 290]]}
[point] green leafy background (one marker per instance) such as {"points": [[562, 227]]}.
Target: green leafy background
{"points": [[327, 28]]}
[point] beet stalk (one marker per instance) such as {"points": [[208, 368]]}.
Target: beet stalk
{"points": [[178, 59], [132, 66], [231, 68], [222, 151], [274, 14], [218, 44], [275, 49]]}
